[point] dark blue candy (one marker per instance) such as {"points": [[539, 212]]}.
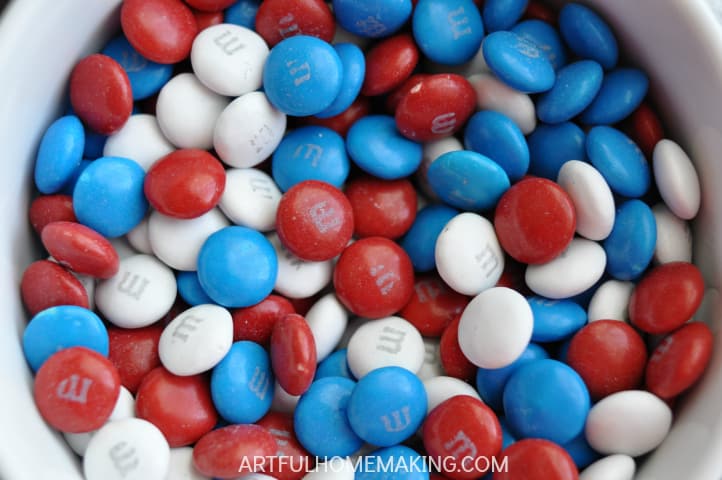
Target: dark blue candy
{"points": [[60, 152], [393, 463], [372, 18], [70, 184], [563, 350], [242, 13], [581, 452], [190, 289], [146, 77], [551, 146], [518, 62], [502, 14], [335, 365], [619, 160], [555, 320], [448, 31], [496, 136], [94, 144], [546, 38], [576, 87], [622, 92], [588, 35], [420, 241], [630, 246], [507, 438], [354, 70]]}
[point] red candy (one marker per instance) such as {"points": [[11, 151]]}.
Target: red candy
{"points": [[393, 98], [374, 277], [384, 208], [452, 358], [81, 249], [181, 407], [537, 459], [256, 323], [51, 208], [535, 220], [435, 107], [666, 297], [539, 11], [677, 362], [294, 461], [465, 429], [314, 220], [134, 352], [231, 451], [433, 306], [207, 19], [609, 355], [100, 93], [185, 183], [389, 63], [160, 30], [342, 122], [76, 390], [46, 284], [293, 354], [279, 19], [647, 130], [210, 5]]}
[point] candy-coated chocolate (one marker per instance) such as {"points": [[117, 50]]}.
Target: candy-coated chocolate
{"points": [[80, 249], [389, 63], [46, 284], [134, 352], [433, 305], [537, 459], [236, 449], [384, 208], [452, 358], [255, 323], [293, 353], [279, 19]]}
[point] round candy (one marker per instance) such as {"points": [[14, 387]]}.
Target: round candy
{"points": [[502, 14], [334, 365], [555, 320], [647, 130], [134, 352], [630, 245], [448, 32], [495, 135], [293, 354], [441, 388], [544, 35], [250, 198], [610, 301], [298, 278], [146, 77], [327, 319], [279, 19], [619, 160], [420, 240], [621, 467], [190, 289], [622, 91], [453, 360], [588, 35], [256, 323], [433, 306], [372, 19], [210, 6], [292, 459], [140, 140], [575, 89], [80, 249], [676, 179], [384, 208], [493, 94], [592, 198], [242, 12], [236, 449], [389, 64], [354, 72], [518, 62], [551, 146], [46, 284], [59, 154], [47, 209], [207, 19], [536, 459]]}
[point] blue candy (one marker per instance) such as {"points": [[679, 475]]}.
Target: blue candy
{"points": [[518, 62], [302, 76], [190, 289], [448, 31], [555, 320], [496, 136], [320, 420], [237, 267], [576, 87], [630, 246], [467, 180], [310, 153], [563, 350], [70, 184], [242, 383], [377, 147], [335, 365], [507, 438], [621, 93], [546, 399], [372, 18], [581, 452], [619, 160], [108, 196], [65, 326], [490, 383], [94, 144], [420, 241], [546, 38], [588, 35], [551, 146], [393, 463], [60, 152], [387, 406], [146, 77], [242, 13], [354, 71], [502, 14]]}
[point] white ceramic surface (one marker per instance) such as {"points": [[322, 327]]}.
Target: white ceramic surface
{"points": [[678, 41]]}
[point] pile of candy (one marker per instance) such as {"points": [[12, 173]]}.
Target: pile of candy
{"points": [[229, 296]]}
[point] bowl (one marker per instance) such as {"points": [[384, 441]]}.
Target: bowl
{"points": [[679, 42]]}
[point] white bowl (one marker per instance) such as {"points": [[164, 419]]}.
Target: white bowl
{"points": [[679, 42]]}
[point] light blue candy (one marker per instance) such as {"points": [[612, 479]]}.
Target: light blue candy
{"points": [[621, 93], [60, 152], [551, 146], [354, 71], [563, 350], [310, 153], [372, 18], [518, 62], [576, 87], [546, 38], [387, 406], [65, 326], [190, 289], [467, 180], [555, 320], [502, 14], [237, 267], [447, 31], [490, 383], [377, 147], [94, 144], [546, 399], [108, 196], [146, 77], [69, 186], [496, 136], [393, 463], [302, 76], [581, 452], [242, 13], [242, 383], [335, 365], [507, 438], [630, 246], [588, 35], [420, 241], [320, 420], [619, 160]]}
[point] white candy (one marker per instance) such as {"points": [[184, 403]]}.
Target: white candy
{"points": [[129, 449], [432, 360], [611, 301], [139, 238], [576, 270], [430, 152], [140, 293], [493, 94], [592, 197], [327, 319], [229, 59], [250, 199], [676, 179], [140, 140], [181, 465], [335, 469], [674, 238], [632, 422], [177, 242], [299, 278], [283, 401], [248, 130], [440, 389], [123, 247], [187, 112], [495, 327], [196, 340], [613, 467], [390, 341], [468, 256]]}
